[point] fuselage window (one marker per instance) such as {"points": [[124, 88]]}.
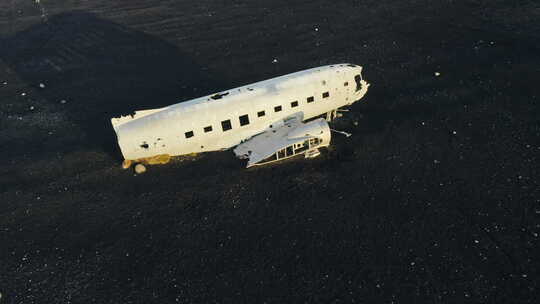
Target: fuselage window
{"points": [[346, 83], [260, 114], [244, 120], [294, 104], [277, 108], [207, 129], [226, 125], [310, 99], [357, 79], [189, 134], [325, 94]]}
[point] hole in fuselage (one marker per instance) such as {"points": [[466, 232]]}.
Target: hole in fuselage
{"points": [[219, 95]]}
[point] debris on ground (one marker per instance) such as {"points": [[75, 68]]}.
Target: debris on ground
{"points": [[140, 169], [126, 164]]}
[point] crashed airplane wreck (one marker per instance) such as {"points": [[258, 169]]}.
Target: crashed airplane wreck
{"points": [[266, 121]]}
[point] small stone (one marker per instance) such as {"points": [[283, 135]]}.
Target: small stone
{"points": [[4, 83], [275, 60], [435, 161], [23, 94], [355, 123], [140, 169], [437, 74], [42, 85], [31, 108], [316, 29], [63, 101]]}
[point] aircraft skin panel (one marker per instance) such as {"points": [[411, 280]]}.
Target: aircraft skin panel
{"points": [[269, 142], [167, 130]]}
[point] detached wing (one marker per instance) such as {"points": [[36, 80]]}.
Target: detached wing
{"points": [[291, 132]]}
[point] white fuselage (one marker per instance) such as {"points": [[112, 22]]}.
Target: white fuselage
{"points": [[219, 121]]}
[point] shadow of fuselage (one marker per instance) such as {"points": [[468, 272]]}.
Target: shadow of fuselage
{"points": [[104, 70]]}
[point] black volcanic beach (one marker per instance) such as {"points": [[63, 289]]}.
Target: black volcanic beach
{"points": [[435, 198]]}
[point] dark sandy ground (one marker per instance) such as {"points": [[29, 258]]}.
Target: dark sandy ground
{"points": [[435, 198]]}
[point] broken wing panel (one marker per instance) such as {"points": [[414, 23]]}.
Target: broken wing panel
{"points": [[269, 142]]}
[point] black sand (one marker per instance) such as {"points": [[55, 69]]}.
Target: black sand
{"points": [[435, 198]]}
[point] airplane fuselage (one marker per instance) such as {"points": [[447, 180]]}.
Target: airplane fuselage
{"points": [[225, 119]]}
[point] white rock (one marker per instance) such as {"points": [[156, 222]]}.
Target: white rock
{"points": [[274, 61], [63, 101], [4, 83], [23, 94], [454, 132], [42, 85], [31, 108], [437, 74], [140, 169], [316, 29]]}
